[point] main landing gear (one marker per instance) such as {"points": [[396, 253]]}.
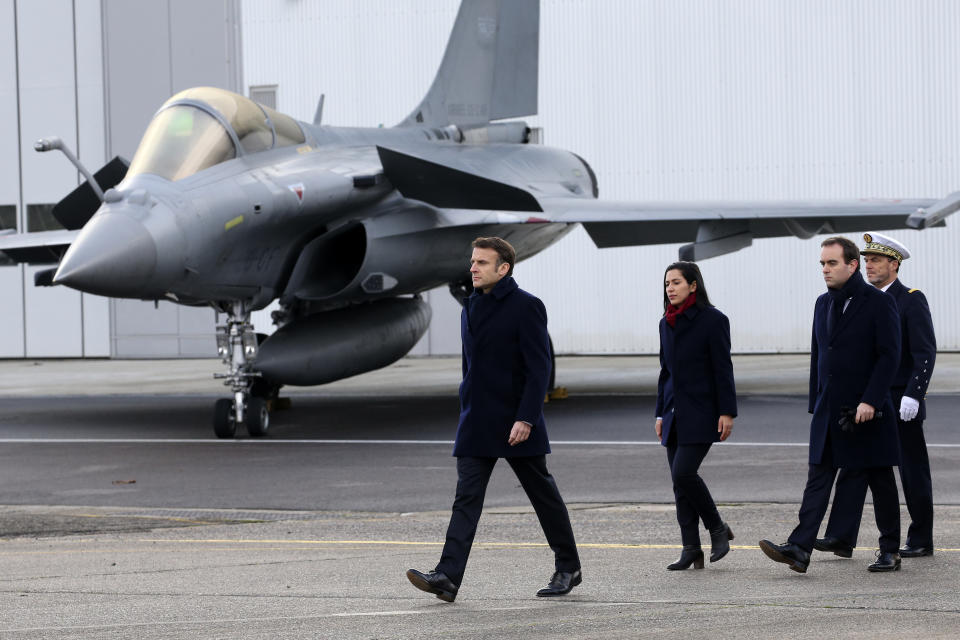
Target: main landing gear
{"points": [[237, 345]]}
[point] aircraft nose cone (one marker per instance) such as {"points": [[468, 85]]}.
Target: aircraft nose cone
{"points": [[114, 255]]}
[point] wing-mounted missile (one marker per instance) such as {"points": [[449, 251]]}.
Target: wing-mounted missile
{"points": [[935, 214], [338, 344]]}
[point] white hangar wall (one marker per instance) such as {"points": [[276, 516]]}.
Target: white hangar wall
{"points": [[50, 84], [675, 100], [93, 72]]}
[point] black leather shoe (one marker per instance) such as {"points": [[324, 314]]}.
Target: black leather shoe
{"points": [[910, 551], [886, 561], [691, 555], [836, 545], [720, 541], [561, 583], [787, 553], [435, 582]]}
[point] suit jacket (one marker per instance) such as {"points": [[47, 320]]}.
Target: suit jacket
{"points": [[696, 384], [918, 346], [506, 369], [854, 364]]}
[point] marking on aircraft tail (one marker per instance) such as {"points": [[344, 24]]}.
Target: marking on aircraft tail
{"points": [[232, 223]]}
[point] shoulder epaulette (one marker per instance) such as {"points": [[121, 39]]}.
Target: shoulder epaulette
{"points": [[912, 290]]}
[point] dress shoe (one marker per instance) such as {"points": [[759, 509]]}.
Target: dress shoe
{"points": [[435, 582], [886, 561], [838, 546], [787, 553], [561, 583], [720, 541], [691, 555], [910, 551]]}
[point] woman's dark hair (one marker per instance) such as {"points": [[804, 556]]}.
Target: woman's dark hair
{"points": [[691, 273]]}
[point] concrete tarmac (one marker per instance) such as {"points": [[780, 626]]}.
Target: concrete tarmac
{"points": [[341, 575], [121, 518]]}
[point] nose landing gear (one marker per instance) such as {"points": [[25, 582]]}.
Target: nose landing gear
{"points": [[237, 347]]}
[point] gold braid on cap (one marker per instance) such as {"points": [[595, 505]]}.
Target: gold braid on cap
{"points": [[882, 249]]}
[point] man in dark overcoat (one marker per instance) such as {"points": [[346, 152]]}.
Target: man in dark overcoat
{"points": [[506, 369], [854, 354], [882, 257]]}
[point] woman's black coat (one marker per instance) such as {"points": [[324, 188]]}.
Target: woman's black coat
{"points": [[696, 384]]}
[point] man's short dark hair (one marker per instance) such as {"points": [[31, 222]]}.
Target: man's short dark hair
{"points": [[850, 250], [505, 251]]}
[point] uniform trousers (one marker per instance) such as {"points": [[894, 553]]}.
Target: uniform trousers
{"points": [[816, 497], [473, 474], [693, 499], [851, 491]]}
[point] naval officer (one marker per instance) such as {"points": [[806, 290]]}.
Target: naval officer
{"points": [[882, 259], [854, 353], [506, 367]]}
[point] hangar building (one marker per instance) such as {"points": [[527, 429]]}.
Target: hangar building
{"points": [[667, 100]]}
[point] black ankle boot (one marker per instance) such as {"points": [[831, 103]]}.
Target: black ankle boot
{"points": [[720, 541], [691, 555]]}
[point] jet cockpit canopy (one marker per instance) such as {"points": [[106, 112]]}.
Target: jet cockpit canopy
{"points": [[204, 126]]}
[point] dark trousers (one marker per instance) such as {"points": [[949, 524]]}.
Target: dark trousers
{"points": [[473, 474], [693, 499], [816, 497], [851, 492]]}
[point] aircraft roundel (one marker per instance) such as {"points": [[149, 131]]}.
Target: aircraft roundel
{"points": [[297, 190]]}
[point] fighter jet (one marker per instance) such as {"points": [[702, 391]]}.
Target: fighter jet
{"points": [[230, 204]]}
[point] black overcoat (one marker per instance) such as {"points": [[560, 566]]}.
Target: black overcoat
{"points": [[855, 364], [696, 384], [506, 370], [918, 346]]}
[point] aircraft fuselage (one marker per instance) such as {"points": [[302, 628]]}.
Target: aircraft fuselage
{"points": [[238, 230]]}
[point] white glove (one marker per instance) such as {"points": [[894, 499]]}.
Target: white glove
{"points": [[908, 408]]}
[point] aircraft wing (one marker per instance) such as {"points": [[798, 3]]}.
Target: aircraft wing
{"points": [[713, 228], [38, 247], [722, 227], [520, 183]]}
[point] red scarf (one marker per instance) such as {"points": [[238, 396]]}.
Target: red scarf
{"points": [[673, 311]]}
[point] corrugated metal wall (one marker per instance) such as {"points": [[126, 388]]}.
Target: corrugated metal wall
{"points": [[677, 100]]}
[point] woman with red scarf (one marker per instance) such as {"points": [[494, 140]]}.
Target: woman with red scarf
{"points": [[696, 404]]}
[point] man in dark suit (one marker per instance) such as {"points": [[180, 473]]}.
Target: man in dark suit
{"points": [[854, 353], [882, 257], [506, 368]]}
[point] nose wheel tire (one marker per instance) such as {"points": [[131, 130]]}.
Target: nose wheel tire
{"points": [[224, 426], [257, 418]]}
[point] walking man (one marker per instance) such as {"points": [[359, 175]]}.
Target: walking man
{"points": [[882, 257], [506, 367], [854, 353]]}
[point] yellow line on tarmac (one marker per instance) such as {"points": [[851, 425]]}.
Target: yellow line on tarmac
{"points": [[411, 543], [142, 517]]}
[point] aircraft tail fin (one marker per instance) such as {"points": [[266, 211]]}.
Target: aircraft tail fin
{"points": [[489, 69]]}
